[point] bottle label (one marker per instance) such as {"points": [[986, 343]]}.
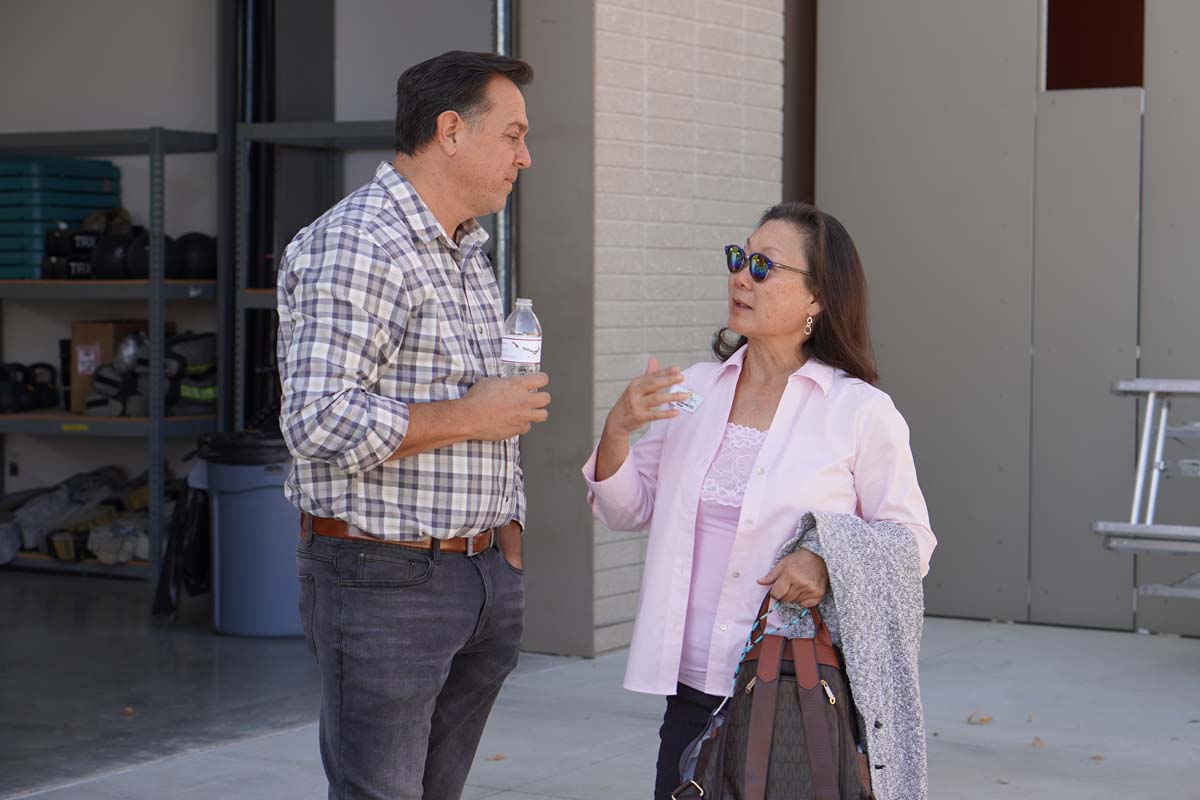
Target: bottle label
{"points": [[521, 349]]}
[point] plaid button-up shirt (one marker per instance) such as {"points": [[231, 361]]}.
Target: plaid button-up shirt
{"points": [[379, 308]]}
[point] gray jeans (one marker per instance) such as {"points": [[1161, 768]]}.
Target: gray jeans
{"points": [[412, 651]]}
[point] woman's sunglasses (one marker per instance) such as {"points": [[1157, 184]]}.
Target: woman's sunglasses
{"points": [[760, 265]]}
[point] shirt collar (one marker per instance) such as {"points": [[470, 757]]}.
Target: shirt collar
{"points": [[816, 371], [420, 219]]}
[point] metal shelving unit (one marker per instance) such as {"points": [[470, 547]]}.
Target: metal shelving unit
{"points": [[156, 144], [104, 290], [62, 423], [334, 136], [89, 566], [261, 299], [355, 135]]}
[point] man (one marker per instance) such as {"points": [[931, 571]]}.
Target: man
{"points": [[406, 462]]}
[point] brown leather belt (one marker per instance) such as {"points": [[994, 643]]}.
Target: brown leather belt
{"points": [[337, 529]]}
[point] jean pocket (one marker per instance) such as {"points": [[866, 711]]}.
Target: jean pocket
{"points": [[373, 570], [308, 609], [303, 555]]}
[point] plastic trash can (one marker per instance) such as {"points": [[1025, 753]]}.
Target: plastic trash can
{"points": [[254, 534]]}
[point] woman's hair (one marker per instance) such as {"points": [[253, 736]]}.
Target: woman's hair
{"points": [[840, 336]]}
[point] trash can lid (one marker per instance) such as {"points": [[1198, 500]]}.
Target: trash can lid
{"points": [[247, 448]]}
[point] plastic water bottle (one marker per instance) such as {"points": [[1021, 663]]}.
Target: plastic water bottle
{"points": [[521, 351]]}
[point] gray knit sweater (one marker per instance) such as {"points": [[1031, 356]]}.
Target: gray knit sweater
{"points": [[874, 610]]}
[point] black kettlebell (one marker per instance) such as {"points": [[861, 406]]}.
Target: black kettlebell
{"points": [[108, 258], [137, 261], [19, 391], [44, 378], [197, 256], [10, 389]]}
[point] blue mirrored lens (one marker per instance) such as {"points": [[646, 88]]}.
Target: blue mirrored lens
{"points": [[735, 258], [759, 267]]}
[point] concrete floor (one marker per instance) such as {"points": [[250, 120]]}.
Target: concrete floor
{"points": [[76, 652], [1117, 715]]}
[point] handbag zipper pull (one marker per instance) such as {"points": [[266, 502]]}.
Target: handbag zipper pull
{"points": [[829, 693], [750, 685]]}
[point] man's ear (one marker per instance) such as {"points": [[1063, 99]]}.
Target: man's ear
{"points": [[450, 128]]}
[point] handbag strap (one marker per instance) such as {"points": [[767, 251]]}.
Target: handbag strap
{"points": [[764, 610], [759, 631], [760, 622], [819, 626], [813, 709], [762, 718]]}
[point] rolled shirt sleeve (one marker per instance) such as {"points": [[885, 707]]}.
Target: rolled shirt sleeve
{"points": [[341, 317], [625, 500]]}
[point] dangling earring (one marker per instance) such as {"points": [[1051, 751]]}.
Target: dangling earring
{"points": [[808, 327]]}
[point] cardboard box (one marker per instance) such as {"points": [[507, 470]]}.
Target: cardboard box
{"points": [[93, 344]]}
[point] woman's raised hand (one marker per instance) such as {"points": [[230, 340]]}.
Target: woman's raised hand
{"points": [[643, 399]]}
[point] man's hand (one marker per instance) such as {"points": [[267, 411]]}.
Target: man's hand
{"points": [[798, 578], [510, 544], [501, 408]]}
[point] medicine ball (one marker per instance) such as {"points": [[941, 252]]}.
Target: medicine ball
{"points": [[108, 258], [137, 262], [197, 256]]}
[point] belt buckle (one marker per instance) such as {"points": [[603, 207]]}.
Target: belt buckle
{"points": [[471, 551]]}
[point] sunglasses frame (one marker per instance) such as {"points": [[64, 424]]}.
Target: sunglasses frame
{"points": [[748, 259]]}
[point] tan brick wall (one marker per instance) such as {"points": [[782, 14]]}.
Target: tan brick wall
{"points": [[689, 139]]}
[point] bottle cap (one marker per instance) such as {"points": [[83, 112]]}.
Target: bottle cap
{"points": [[524, 301]]}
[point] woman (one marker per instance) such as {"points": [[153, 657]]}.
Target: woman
{"points": [[787, 422]]}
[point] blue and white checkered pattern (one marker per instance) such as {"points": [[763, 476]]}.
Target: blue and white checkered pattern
{"points": [[378, 309]]}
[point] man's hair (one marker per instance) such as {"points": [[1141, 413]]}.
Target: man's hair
{"points": [[454, 81]]}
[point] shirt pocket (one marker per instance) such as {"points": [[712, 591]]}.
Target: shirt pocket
{"points": [[436, 358]]}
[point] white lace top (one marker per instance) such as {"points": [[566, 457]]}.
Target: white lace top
{"points": [[716, 530], [726, 481]]}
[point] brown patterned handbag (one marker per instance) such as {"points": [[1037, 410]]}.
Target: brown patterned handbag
{"points": [[789, 732]]}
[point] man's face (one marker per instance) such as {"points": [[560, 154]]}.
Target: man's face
{"points": [[493, 148]]}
